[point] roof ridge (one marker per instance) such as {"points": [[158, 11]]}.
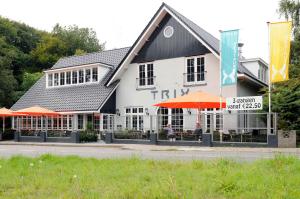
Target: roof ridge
{"points": [[92, 53]]}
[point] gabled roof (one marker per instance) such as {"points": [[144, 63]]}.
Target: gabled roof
{"points": [[108, 57], [209, 39], [200, 34], [74, 98], [211, 42]]}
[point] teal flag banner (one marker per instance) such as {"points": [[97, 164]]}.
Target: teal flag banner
{"points": [[229, 57]]}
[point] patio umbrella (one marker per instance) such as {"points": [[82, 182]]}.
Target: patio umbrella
{"points": [[38, 111], [197, 100], [4, 112]]}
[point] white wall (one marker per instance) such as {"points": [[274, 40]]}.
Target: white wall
{"points": [[169, 78]]}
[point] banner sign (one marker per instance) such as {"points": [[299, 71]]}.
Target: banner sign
{"points": [[229, 57], [244, 103], [280, 40]]}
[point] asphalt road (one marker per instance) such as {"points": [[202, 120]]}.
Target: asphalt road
{"points": [[144, 152]]}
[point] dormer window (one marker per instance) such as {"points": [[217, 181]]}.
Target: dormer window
{"points": [[68, 77], [95, 74], [87, 75], [56, 82], [81, 76], [62, 78], [50, 80], [76, 76]]}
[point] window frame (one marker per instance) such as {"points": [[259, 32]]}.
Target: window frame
{"points": [[54, 78], [197, 75], [134, 119], [146, 76]]}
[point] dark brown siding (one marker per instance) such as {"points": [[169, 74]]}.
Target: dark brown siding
{"points": [[181, 44]]}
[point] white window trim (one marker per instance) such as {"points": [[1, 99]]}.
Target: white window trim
{"points": [[214, 113], [195, 82], [146, 86], [74, 69], [131, 114]]}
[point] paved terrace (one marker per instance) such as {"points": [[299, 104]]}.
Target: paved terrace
{"points": [[102, 150]]}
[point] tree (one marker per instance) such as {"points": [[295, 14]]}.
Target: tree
{"points": [[290, 9], [48, 51], [29, 79], [286, 95], [75, 38]]}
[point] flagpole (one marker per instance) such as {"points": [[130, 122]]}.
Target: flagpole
{"points": [[220, 74], [270, 84]]}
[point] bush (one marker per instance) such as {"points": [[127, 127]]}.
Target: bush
{"points": [[88, 136]]}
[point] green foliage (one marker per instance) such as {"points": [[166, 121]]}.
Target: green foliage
{"points": [[291, 11], [29, 79], [88, 136], [25, 52], [74, 177], [286, 95], [77, 39]]}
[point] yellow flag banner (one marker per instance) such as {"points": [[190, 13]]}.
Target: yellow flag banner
{"points": [[280, 39]]}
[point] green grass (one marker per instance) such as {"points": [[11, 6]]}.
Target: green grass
{"points": [[73, 177]]}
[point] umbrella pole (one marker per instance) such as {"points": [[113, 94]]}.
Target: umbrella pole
{"points": [[3, 125]]}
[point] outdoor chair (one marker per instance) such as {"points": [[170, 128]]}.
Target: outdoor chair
{"points": [[247, 135], [233, 135]]}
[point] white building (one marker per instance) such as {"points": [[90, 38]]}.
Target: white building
{"points": [[172, 56]]}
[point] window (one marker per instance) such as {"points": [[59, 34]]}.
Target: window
{"points": [[62, 78], [209, 115], [262, 73], [190, 70], [68, 77], [74, 77], [219, 119], [168, 31], [97, 122], [163, 118], [108, 122], [134, 118], [216, 116], [70, 122], [95, 75], [81, 76], [80, 122], [50, 123], [142, 75], [55, 123], [50, 80], [177, 119], [65, 122], [195, 70], [87, 75], [146, 75], [39, 122], [56, 75]]}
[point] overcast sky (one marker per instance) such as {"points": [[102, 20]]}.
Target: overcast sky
{"points": [[119, 23]]}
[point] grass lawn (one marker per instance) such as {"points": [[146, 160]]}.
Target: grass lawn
{"points": [[73, 177]]}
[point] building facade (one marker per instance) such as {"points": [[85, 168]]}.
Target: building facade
{"points": [[172, 57]]}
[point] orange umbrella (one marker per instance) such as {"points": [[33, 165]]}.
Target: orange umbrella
{"points": [[4, 112], [197, 100], [37, 111]]}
